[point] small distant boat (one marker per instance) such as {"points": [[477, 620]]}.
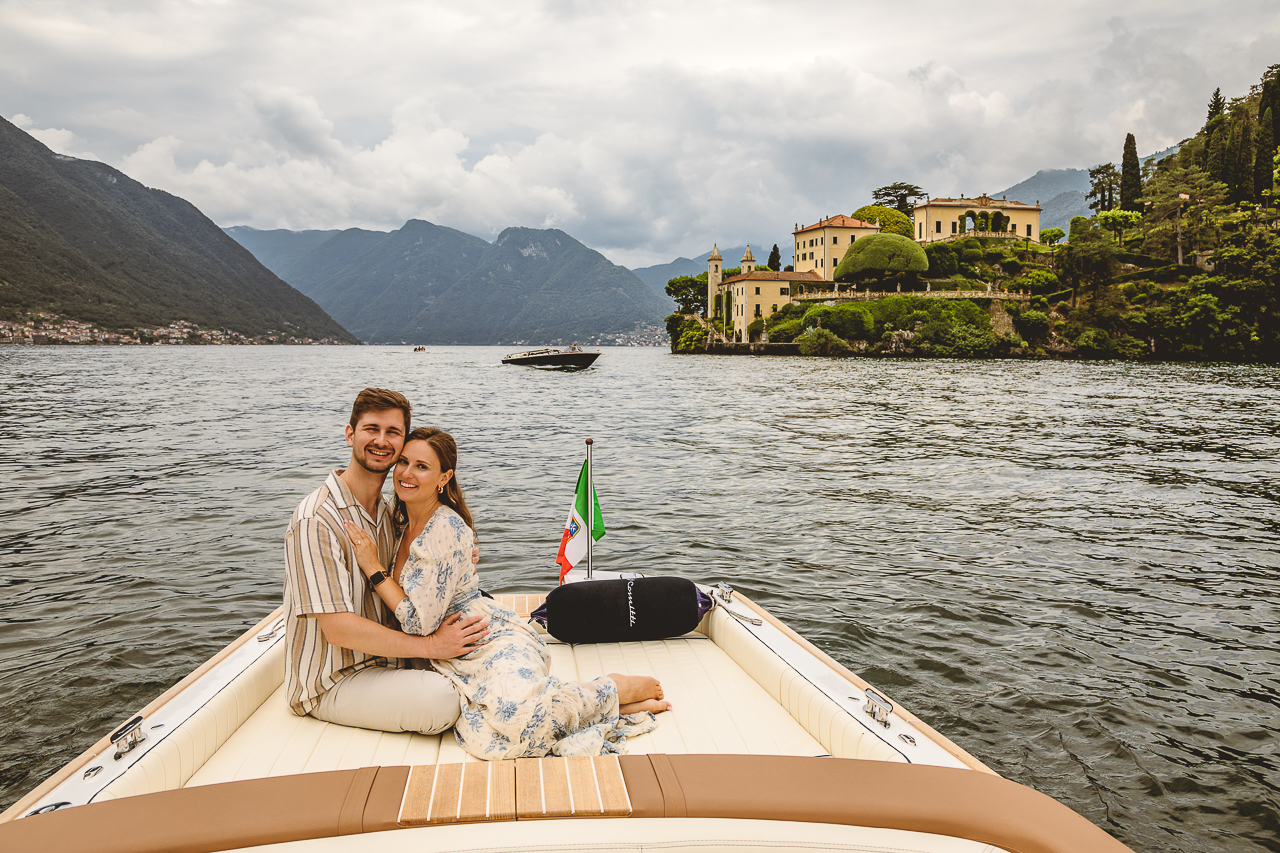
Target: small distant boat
{"points": [[566, 358]]}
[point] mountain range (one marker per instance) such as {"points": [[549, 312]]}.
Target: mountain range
{"points": [[658, 275], [84, 240], [1061, 192], [428, 284]]}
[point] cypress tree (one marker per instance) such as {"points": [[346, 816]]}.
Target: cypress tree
{"points": [[1231, 162], [1218, 155], [1130, 176], [775, 259], [1244, 162], [1263, 175], [1216, 105]]}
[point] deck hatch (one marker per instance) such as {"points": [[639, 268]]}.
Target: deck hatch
{"points": [[525, 789]]}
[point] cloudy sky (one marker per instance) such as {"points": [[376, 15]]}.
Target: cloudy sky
{"points": [[645, 129]]}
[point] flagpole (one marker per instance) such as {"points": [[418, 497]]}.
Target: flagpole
{"points": [[591, 508]]}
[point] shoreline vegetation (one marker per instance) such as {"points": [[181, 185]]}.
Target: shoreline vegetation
{"points": [[1180, 262]]}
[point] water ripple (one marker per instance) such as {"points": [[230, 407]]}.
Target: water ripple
{"points": [[1073, 570]]}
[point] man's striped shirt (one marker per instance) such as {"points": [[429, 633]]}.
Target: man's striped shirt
{"points": [[322, 576]]}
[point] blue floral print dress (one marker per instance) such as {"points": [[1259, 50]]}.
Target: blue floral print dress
{"points": [[512, 706]]}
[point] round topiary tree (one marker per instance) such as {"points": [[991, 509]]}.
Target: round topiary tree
{"points": [[878, 254], [890, 221]]}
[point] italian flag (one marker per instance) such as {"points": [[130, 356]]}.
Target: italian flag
{"points": [[573, 545]]}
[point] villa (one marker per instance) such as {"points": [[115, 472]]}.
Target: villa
{"points": [[752, 293], [954, 218], [819, 247]]}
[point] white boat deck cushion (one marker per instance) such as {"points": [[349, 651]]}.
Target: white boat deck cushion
{"points": [[718, 708], [731, 695]]}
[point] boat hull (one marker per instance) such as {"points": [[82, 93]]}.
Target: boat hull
{"points": [[562, 360]]}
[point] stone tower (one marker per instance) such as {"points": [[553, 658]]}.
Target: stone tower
{"points": [[748, 261], [714, 274]]}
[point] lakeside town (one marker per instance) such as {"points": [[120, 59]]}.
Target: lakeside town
{"points": [[44, 327]]}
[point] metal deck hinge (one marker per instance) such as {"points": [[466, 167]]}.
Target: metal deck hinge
{"points": [[128, 736], [878, 707]]}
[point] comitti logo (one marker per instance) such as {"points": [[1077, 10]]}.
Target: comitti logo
{"points": [[631, 605]]}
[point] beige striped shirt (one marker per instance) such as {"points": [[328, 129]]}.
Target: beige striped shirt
{"points": [[321, 576]]}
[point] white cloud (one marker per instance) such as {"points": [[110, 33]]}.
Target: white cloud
{"points": [[647, 130], [58, 139]]}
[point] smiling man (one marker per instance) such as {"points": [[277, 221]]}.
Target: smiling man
{"points": [[348, 662]]}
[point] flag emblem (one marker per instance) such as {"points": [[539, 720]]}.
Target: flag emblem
{"points": [[573, 549]]}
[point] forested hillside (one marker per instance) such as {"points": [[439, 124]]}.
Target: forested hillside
{"points": [[85, 241], [428, 284]]}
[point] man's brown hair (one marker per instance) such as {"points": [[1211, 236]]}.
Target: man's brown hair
{"points": [[379, 400]]}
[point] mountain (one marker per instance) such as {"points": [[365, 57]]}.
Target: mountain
{"points": [[658, 275], [1045, 185], [278, 250], [1058, 211], [537, 286], [84, 240], [429, 284]]}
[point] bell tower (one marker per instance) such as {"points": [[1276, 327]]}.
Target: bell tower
{"points": [[715, 272], [748, 261]]}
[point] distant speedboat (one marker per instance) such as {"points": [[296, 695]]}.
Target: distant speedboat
{"points": [[566, 358]]}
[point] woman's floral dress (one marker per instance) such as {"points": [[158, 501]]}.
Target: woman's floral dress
{"points": [[512, 706]]}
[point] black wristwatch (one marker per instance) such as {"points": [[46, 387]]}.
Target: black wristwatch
{"points": [[378, 577]]}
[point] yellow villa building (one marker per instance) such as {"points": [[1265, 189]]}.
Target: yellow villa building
{"points": [[948, 218], [819, 247], [752, 293]]}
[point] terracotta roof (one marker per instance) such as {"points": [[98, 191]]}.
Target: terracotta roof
{"points": [[980, 201], [769, 275], [840, 221]]}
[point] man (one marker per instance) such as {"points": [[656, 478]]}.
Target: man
{"points": [[348, 662]]}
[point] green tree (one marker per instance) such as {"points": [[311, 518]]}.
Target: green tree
{"points": [[1104, 183], [1217, 159], [1032, 325], [775, 259], [942, 260], [890, 221], [1039, 282], [1051, 236], [821, 342], [850, 321], [1181, 201], [879, 254], [1217, 104], [897, 195], [1079, 226], [1263, 172], [1130, 176], [1231, 161], [1242, 161], [689, 292], [1116, 221], [1088, 261]]}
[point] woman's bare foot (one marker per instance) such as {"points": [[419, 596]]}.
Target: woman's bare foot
{"points": [[636, 688], [657, 706]]}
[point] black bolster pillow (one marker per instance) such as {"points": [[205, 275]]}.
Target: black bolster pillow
{"points": [[624, 610]]}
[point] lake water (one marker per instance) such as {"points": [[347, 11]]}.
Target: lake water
{"points": [[1071, 569]]}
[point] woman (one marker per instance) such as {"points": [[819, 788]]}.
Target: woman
{"points": [[512, 706]]}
